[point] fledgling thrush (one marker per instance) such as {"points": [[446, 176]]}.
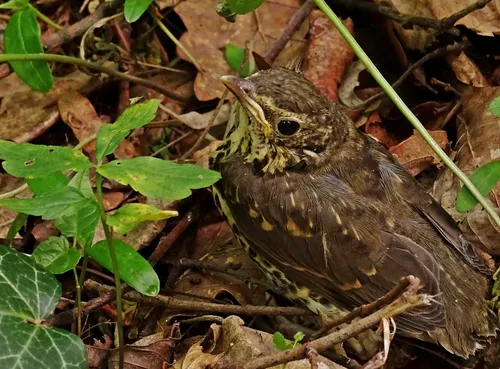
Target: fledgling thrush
{"points": [[334, 220]]}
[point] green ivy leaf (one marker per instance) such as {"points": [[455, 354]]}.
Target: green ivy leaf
{"points": [[56, 256], [484, 178], [494, 107], [235, 56], [56, 204], [129, 215], [244, 6], [29, 296], [53, 182], [110, 135], [38, 161], [134, 9], [154, 177], [134, 269], [15, 4], [82, 223], [22, 36], [280, 342]]}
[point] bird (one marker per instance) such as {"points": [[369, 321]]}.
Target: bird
{"points": [[335, 221]]}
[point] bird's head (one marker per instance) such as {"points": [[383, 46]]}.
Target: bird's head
{"points": [[283, 121]]}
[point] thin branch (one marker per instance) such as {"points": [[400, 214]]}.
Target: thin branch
{"points": [[445, 50], [293, 25], [408, 20], [364, 310], [101, 68], [173, 303], [408, 300]]}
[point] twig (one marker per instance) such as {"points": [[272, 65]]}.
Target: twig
{"points": [[58, 38], [408, 20], [173, 303], [364, 310], [312, 355], [292, 27], [408, 300], [198, 142], [86, 64], [166, 242], [208, 265], [432, 55]]}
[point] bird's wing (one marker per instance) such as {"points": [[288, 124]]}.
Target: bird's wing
{"points": [[298, 225]]}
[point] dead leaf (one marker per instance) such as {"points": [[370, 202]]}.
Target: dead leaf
{"points": [[350, 81], [97, 353], [328, 55], [7, 184], [152, 352], [416, 155], [199, 121], [484, 21], [202, 157], [25, 113], [478, 132], [375, 128], [262, 27], [43, 230], [466, 70], [433, 114], [111, 200]]}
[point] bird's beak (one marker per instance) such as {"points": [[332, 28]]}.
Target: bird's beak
{"points": [[240, 88]]}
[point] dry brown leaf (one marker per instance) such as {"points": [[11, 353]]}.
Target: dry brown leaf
{"points": [[375, 128], [466, 70], [328, 55], [9, 183], [484, 21], [24, 113], [263, 27], [478, 132], [434, 114], [111, 200], [416, 155], [43, 230], [97, 353]]}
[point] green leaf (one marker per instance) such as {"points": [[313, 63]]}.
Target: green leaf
{"points": [[235, 56], [299, 336], [110, 135], [244, 6], [82, 223], [484, 178], [15, 227], [134, 9], [22, 36], [52, 182], [134, 269], [154, 177], [29, 295], [129, 215], [38, 161], [56, 256], [280, 342], [81, 181], [225, 11], [15, 4], [59, 203], [494, 107]]}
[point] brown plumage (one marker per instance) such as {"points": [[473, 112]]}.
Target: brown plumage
{"points": [[334, 219]]}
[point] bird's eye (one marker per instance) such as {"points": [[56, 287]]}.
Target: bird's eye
{"points": [[288, 127]]}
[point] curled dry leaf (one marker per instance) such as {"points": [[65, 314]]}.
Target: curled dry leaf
{"points": [[262, 27], [25, 113], [328, 55], [350, 81], [79, 114], [414, 153], [466, 70], [478, 132], [98, 352]]}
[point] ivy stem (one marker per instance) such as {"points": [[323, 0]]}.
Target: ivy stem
{"points": [[46, 19], [114, 262], [93, 66], [78, 303], [405, 110]]}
